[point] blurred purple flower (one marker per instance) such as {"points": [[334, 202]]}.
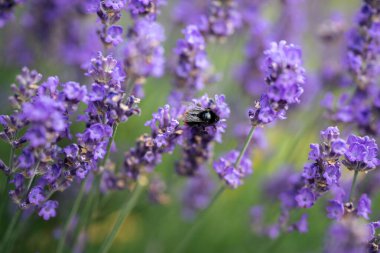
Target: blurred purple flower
{"points": [[197, 193]]}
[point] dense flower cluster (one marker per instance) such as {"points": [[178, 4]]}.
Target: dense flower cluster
{"points": [[320, 176], [191, 65], [285, 76], [62, 134], [197, 140], [108, 102], [221, 20], [40, 121], [42, 115], [148, 150], [109, 12], [325, 169], [361, 154], [351, 230], [145, 8], [361, 107], [144, 54]]}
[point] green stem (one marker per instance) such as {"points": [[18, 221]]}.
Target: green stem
{"points": [[130, 86], [85, 217], [245, 147], [73, 212], [8, 233], [181, 246], [110, 144], [11, 158], [353, 185], [32, 179], [124, 212]]}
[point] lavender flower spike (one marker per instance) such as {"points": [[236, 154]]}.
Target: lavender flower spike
{"points": [[285, 76]]}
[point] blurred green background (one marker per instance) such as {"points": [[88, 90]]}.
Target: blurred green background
{"points": [[153, 228]]}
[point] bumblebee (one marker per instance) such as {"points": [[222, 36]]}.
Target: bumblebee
{"points": [[199, 116]]}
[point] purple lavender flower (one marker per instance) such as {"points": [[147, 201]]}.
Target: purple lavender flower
{"points": [[106, 71], [331, 32], [197, 193], [335, 210], [324, 171], [113, 5], [221, 21], [361, 154], [374, 243], [36, 196], [285, 77], [27, 86], [285, 186], [249, 73], [6, 10], [186, 12], [148, 151], [305, 198], [291, 22], [348, 236], [302, 225], [158, 191], [144, 53], [108, 102], [95, 140], [359, 108], [42, 119], [364, 206], [114, 35], [227, 171], [145, 8], [192, 63], [66, 45], [47, 210], [196, 140], [109, 12]]}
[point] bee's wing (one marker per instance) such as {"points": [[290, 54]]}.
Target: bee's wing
{"points": [[192, 114]]}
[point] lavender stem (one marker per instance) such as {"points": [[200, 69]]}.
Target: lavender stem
{"points": [[8, 233], [73, 211], [124, 212], [197, 223], [246, 144], [353, 185]]}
